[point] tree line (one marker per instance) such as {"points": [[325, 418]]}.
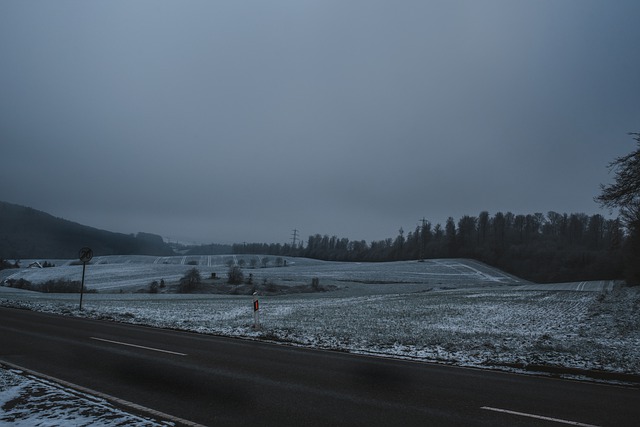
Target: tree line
{"points": [[543, 248]]}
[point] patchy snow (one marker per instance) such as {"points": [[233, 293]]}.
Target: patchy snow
{"points": [[127, 273], [448, 311], [473, 327], [29, 401]]}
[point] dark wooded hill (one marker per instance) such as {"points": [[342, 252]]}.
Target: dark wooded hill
{"points": [[28, 233]]}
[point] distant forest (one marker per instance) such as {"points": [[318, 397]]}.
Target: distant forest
{"points": [[28, 233], [541, 248]]}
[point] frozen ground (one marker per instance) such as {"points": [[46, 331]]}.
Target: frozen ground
{"points": [[129, 273], [457, 312], [452, 311]]}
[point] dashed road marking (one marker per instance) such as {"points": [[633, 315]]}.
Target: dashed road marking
{"points": [[539, 417], [138, 346]]}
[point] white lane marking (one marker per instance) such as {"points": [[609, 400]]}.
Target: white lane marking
{"points": [[138, 346], [539, 417]]}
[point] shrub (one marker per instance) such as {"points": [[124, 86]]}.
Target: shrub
{"points": [[189, 281], [19, 284], [59, 286], [6, 264], [235, 275], [153, 287]]}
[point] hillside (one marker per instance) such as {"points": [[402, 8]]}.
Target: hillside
{"points": [[29, 233]]}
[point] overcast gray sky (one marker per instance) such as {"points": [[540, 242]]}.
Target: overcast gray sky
{"points": [[232, 121]]}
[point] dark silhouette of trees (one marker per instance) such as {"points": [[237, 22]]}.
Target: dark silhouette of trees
{"points": [[6, 264], [27, 233], [624, 194], [543, 248], [450, 237]]}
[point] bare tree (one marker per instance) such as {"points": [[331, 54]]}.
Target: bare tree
{"points": [[190, 280], [624, 194], [235, 275]]}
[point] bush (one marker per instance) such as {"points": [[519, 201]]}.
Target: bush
{"points": [[235, 275], [6, 264], [19, 284], [153, 287], [189, 281], [59, 286]]}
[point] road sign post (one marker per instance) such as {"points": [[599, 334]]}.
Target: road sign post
{"points": [[85, 256], [256, 307]]}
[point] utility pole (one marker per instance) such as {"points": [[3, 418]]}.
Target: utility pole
{"points": [[294, 238], [422, 240]]}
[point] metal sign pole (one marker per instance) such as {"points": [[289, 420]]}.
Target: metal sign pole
{"points": [[85, 256], [84, 266]]}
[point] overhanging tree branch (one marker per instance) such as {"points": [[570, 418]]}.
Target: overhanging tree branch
{"points": [[624, 193]]}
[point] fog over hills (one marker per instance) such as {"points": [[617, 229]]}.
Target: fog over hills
{"points": [[29, 233]]}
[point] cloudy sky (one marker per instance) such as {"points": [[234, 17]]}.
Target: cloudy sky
{"points": [[232, 121]]}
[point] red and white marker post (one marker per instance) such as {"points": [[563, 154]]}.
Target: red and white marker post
{"points": [[256, 307]]}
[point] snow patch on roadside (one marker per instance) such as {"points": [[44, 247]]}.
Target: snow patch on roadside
{"points": [[27, 401]]}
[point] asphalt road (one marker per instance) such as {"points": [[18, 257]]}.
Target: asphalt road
{"points": [[220, 381]]}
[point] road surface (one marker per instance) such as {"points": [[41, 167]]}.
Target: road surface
{"points": [[218, 381]]}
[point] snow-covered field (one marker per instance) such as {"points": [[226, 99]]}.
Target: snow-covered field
{"points": [[457, 312], [128, 273]]}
